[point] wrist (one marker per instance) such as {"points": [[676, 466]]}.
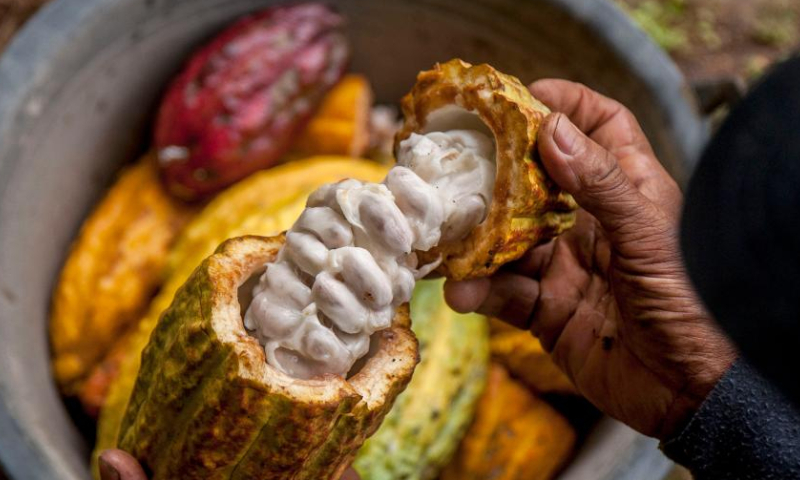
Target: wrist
{"points": [[678, 416], [688, 401]]}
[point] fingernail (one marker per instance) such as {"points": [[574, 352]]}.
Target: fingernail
{"points": [[107, 471], [566, 135]]}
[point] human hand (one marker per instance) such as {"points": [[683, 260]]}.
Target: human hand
{"points": [[610, 299], [120, 465]]}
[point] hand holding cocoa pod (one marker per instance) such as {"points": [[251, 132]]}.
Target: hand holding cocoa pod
{"points": [[610, 299], [316, 423]]}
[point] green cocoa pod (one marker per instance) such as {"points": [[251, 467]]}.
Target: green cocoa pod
{"points": [[421, 433], [206, 404]]}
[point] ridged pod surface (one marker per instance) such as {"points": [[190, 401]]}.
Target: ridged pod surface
{"points": [[515, 436], [526, 360], [421, 433], [206, 405], [527, 207], [263, 204], [113, 269], [341, 124], [241, 100]]}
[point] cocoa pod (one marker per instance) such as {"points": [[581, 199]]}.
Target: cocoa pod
{"points": [[263, 204], [524, 357], [206, 405], [341, 125], [421, 433], [514, 436], [242, 99], [112, 270], [527, 207]]}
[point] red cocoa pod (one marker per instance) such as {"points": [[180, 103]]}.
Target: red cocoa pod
{"points": [[242, 98]]}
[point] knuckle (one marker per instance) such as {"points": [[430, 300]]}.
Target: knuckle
{"points": [[604, 175], [647, 234]]}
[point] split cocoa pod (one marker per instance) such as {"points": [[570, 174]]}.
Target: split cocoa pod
{"points": [[207, 405], [264, 204], [165, 248]]}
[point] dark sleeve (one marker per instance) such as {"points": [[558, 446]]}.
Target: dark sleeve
{"points": [[744, 430]]}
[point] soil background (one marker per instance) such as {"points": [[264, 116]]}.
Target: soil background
{"points": [[707, 38], [710, 40]]}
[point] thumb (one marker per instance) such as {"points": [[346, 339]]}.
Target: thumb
{"points": [[592, 175]]}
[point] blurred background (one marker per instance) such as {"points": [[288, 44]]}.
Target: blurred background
{"points": [[715, 38], [709, 39]]}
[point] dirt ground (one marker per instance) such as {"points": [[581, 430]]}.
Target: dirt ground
{"points": [[710, 39]]}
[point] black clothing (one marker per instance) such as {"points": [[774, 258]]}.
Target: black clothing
{"points": [[745, 430], [741, 227]]}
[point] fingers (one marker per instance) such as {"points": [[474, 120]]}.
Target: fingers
{"points": [[593, 176], [534, 261], [119, 465], [603, 119], [613, 127], [508, 296]]}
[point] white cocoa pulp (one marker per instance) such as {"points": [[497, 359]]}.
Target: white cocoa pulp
{"points": [[349, 260]]}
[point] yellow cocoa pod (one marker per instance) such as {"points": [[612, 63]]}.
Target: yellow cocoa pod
{"points": [[524, 357], [341, 124], [514, 436], [265, 204], [112, 271]]}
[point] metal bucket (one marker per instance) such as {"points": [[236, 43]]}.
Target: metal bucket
{"points": [[77, 89]]}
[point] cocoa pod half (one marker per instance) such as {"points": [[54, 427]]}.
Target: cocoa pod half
{"points": [[265, 203], [206, 405], [527, 207]]}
